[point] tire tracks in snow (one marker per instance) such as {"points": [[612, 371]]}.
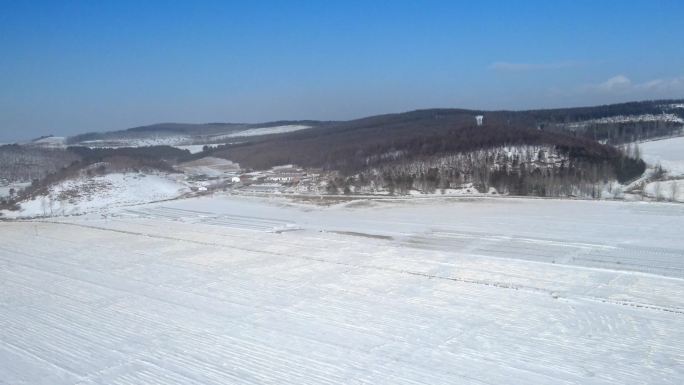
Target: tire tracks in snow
{"points": [[493, 284]]}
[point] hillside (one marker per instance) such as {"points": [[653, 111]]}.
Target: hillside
{"points": [[180, 134], [615, 122], [401, 152], [554, 152]]}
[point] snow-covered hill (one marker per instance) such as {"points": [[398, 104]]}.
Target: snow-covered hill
{"points": [[668, 154], [193, 143], [101, 193], [48, 142], [665, 117], [269, 130]]}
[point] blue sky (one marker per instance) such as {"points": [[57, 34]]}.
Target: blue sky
{"points": [[68, 67]]}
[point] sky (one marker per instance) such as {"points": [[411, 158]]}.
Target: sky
{"points": [[69, 67]]}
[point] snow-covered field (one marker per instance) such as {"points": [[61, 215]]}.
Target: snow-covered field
{"points": [[209, 166], [236, 290]]}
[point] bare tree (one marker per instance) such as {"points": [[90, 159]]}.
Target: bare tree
{"points": [[657, 190], [44, 206], [51, 204], [63, 199], [637, 152]]}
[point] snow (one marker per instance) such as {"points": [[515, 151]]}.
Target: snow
{"points": [[49, 142], [209, 166], [669, 153], [159, 140], [664, 117], [667, 190], [17, 186], [194, 144], [268, 130], [100, 194], [237, 290], [466, 190], [193, 148]]}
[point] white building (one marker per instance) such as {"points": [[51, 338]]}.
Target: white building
{"points": [[479, 119]]}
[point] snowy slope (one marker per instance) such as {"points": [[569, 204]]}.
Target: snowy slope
{"points": [[17, 186], [669, 153], [100, 193], [193, 143], [209, 166], [202, 291], [665, 117], [193, 148], [268, 130], [667, 190], [163, 140], [49, 142]]}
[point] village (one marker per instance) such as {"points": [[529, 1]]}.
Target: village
{"points": [[214, 174]]}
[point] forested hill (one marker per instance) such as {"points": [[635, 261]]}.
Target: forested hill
{"points": [[571, 145], [615, 122], [353, 145], [557, 152]]}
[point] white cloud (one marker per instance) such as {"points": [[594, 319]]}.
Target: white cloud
{"points": [[621, 84], [663, 85], [616, 89], [520, 67], [616, 83]]}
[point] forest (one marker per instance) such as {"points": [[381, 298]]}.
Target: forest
{"points": [[554, 152], [440, 155]]}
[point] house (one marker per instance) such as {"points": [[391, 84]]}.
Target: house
{"points": [[285, 177]]}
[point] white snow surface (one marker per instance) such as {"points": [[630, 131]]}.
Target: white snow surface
{"points": [[268, 130], [100, 194], [194, 144], [664, 117], [159, 140], [669, 153], [193, 148], [49, 142], [668, 190], [388, 291], [209, 166], [17, 186]]}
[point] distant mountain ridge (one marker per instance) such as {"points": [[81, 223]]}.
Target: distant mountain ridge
{"points": [[554, 152], [548, 118], [188, 130]]}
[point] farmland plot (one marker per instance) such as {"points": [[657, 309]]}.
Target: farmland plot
{"points": [[417, 291]]}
